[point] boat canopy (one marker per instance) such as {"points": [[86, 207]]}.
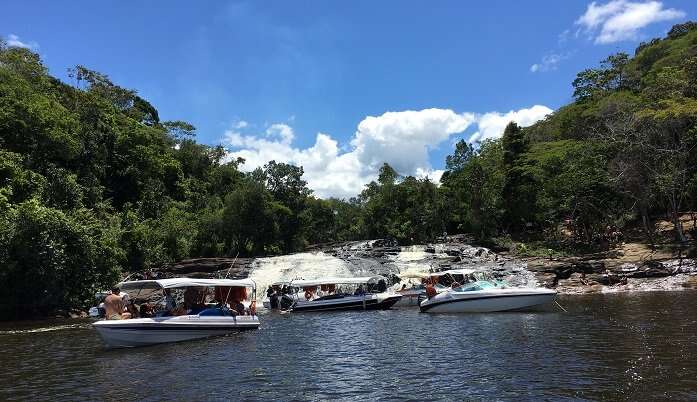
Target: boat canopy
{"points": [[463, 271], [185, 282], [411, 274], [302, 283]]}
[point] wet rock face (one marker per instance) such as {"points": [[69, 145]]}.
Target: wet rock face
{"points": [[385, 257], [574, 276], [233, 268]]}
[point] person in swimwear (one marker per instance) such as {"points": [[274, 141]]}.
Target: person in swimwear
{"points": [[114, 306]]}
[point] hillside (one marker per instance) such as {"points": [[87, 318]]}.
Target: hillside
{"points": [[94, 185]]}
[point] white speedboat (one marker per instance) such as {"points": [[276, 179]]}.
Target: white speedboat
{"points": [[210, 318], [330, 294], [477, 292]]}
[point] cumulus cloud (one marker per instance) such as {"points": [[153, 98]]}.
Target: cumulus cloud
{"points": [[402, 139], [13, 40], [621, 20], [549, 62], [492, 124]]}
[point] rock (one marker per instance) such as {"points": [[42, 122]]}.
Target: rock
{"points": [[74, 313], [547, 280]]}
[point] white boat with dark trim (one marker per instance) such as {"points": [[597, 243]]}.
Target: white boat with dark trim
{"points": [[228, 308], [331, 294], [477, 292]]}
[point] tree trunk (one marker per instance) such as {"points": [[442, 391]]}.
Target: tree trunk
{"points": [[677, 225], [647, 225]]}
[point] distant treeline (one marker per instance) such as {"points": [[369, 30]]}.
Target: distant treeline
{"points": [[94, 185]]}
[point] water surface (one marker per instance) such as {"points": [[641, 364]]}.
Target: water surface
{"points": [[615, 346]]}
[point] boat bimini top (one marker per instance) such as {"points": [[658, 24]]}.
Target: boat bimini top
{"points": [[412, 274], [184, 283], [302, 283], [452, 272], [145, 289]]}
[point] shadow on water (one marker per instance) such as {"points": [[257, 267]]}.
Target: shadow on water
{"points": [[628, 346]]}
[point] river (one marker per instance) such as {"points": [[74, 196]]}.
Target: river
{"points": [[609, 346]]}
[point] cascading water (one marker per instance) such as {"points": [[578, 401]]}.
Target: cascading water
{"points": [[364, 258], [266, 271]]}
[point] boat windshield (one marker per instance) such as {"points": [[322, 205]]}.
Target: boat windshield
{"points": [[478, 285]]}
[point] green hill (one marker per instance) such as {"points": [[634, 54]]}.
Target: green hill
{"points": [[623, 151]]}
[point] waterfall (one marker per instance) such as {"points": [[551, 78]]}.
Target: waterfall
{"points": [[266, 271]]}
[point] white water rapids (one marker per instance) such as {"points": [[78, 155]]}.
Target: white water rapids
{"points": [[361, 259], [266, 271]]}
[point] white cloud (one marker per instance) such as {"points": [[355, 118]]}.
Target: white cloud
{"points": [[492, 124], [549, 62], [240, 124], [621, 20], [283, 131], [13, 40], [433, 174], [402, 139]]}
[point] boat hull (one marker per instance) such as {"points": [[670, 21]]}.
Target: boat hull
{"points": [[150, 331], [351, 303], [409, 299], [487, 301]]}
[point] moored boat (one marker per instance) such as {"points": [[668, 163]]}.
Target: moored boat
{"points": [[478, 292], [228, 308], [332, 294]]}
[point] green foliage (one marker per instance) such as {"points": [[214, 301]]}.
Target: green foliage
{"points": [[50, 259], [93, 184]]}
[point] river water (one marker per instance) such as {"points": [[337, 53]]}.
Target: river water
{"points": [[609, 346]]}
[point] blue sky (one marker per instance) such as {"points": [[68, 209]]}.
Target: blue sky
{"points": [[266, 78]]}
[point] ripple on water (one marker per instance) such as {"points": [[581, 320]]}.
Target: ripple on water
{"points": [[639, 346]]}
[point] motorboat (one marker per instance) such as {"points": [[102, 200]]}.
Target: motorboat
{"points": [[330, 294], [478, 292], [228, 308]]}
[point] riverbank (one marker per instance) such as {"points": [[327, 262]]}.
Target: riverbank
{"points": [[630, 266]]}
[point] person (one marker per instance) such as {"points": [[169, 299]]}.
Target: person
{"points": [[146, 310], [170, 304], [124, 296], [430, 289], [114, 306], [273, 300], [237, 307], [132, 309], [359, 291]]}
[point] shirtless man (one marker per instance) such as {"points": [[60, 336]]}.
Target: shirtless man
{"points": [[114, 306]]}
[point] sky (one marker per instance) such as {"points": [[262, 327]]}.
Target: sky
{"points": [[341, 87]]}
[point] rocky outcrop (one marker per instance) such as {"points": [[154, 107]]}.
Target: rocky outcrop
{"points": [[574, 275], [204, 268], [385, 257]]}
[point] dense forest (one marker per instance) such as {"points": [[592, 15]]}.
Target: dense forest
{"points": [[93, 185]]}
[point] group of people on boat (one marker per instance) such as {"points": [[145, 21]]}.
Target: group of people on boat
{"points": [[119, 306]]}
